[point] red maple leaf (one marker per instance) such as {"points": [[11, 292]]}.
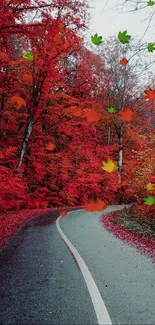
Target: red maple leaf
{"points": [[126, 115], [63, 214], [76, 111], [98, 205], [149, 94], [50, 146], [124, 61], [92, 116]]}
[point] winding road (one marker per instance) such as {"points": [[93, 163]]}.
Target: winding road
{"points": [[70, 270]]}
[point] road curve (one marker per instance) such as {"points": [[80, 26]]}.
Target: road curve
{"points": [[42, 283]]}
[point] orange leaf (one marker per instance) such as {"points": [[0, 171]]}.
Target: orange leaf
{"points": [[149, 94], [76, 111], [124, 183], [18, 100], [124, 61], [3, 56], [50, 146], [27, 78], [92, 116], [98, 205], [12, 63], [63, 214], [126, 115], [58, 40], [61, 25]]}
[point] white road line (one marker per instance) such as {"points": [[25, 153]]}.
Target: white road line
{"points": [[98, 303]]}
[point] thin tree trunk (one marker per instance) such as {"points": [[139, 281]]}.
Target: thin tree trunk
{"points": [[25, 141], [120, 156], [109, 134]]}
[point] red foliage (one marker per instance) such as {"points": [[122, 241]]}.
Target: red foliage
{"points": [[54, 123]]}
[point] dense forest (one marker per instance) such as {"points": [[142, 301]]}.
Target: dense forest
{"points": [[75, 125]]}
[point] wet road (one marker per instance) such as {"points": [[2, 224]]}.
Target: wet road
{"points": [[42, 284]]}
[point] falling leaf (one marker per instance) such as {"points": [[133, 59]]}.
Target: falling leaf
{"points": [[150, 187], [61, 25], [98, 205], [150, 94], [124, 183], [92, 116], [109, 166], [14, 63], [27, 78], [150, 3], [151, 47], [150, 200], [76, 111], [123, 37], [111, 109], [3, 56], [28, 55], [63, 214], [58, 39], [126, 115], [124, 61], [18, 100], [97, 40], [50, 146]]}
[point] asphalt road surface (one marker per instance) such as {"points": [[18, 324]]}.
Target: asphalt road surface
{"points": [[43, 282]]}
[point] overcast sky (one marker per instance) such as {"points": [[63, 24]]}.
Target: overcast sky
{"points": [[108, 17], [107, 21]]}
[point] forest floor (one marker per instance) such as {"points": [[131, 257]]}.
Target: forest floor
{"points": [[124, 227]]}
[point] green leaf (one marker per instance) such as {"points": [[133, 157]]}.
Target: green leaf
{"points": [[97, 40], [151, 47], [28, 55], [149, 200], [123, 37], [150, 3], [111, 109]]}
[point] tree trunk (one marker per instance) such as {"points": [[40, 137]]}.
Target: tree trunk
{"points": [[120, 156], [109, 134], [25, 141]]}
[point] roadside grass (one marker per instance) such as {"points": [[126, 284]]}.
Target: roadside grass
{"points": [[126, 220]]}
